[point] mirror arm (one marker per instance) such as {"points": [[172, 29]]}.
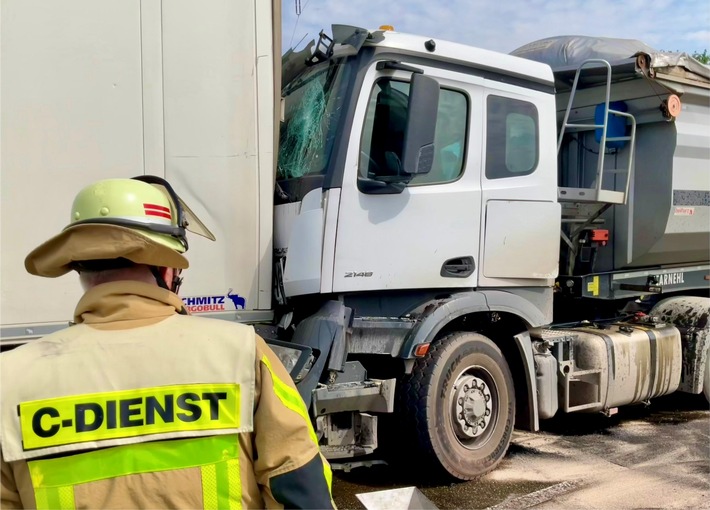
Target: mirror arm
{"points": [[398, 66], [374, 187]]}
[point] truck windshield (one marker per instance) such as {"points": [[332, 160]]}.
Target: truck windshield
{"points": [[312, 109]]}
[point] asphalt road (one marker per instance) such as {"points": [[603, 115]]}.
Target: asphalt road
{"points": [[642, 458]]}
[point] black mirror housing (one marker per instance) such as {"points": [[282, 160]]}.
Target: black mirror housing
{"points": [[423, 103]]}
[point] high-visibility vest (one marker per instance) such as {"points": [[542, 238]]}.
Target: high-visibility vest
{"points": [[171, 395]]}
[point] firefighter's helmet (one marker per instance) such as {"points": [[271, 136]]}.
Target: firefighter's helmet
{"points": [[140, 219]]}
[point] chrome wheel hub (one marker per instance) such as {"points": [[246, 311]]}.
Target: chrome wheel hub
{"points": [[472, 406]]}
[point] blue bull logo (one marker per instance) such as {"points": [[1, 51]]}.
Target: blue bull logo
{"points": [[239, 301]]}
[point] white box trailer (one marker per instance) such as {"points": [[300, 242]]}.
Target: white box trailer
{"points": [[104, 89]]}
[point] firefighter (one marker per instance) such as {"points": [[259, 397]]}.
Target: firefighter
{"points": [[140, 404]]}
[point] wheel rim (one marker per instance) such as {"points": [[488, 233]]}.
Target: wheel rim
{"points": [[474, 407]]}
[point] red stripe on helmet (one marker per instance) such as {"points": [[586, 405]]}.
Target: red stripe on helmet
{"points": [[156, 207], [157, 210], [161, 214]]}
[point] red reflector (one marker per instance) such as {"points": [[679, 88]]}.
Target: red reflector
{"points": [[421, 350], [600, 235]]}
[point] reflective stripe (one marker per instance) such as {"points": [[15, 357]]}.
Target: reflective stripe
{"points": [[234, 485], [328, 474], [209, 487], [42, 498], [215, 478], [217, 456], [129, 413], [66, 497], [61, 498], [290, 398]]}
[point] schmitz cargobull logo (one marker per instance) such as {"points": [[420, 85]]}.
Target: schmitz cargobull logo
{"points": [[217, 303]]}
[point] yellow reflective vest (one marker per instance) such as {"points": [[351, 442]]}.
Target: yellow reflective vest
{"points": [[139, 406]]}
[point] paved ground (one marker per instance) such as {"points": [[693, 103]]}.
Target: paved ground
{"points": [[642, 458]]}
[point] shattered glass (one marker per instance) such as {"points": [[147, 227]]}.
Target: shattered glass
{"points": [[311, 115], [302, 137]]}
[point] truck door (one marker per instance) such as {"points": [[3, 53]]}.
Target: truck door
{"points": [[520, 238], [426, 236]]}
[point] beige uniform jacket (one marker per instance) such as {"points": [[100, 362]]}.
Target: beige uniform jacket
{"points": [[139, 406]]}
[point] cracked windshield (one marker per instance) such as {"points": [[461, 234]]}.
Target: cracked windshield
{"points": [[311, 114]]}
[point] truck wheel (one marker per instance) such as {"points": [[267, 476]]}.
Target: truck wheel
{"points": [[459, 406]]}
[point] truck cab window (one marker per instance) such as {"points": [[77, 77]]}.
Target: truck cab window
{"points": [[383, 133], [512, 137], [312, 111]]}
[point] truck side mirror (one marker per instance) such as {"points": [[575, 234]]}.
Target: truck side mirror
{"points": [[418, 149]]}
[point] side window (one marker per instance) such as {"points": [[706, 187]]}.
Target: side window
{"points": [[383, 134], [512, 137]]}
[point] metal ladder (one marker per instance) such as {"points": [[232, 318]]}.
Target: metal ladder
{"points": [[598, 195]]}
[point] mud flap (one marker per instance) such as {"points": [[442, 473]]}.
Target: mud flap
{"points": [[324, 332], [529, 420]]}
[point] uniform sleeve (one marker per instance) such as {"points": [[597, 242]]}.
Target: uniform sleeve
{"points": [[10, 496], [289, 467]]}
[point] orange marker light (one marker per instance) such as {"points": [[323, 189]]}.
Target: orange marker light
{"points": [[421, 350], [387, 27]]}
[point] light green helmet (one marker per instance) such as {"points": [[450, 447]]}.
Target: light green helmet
{"points": [[140, 219], [134, 204]]}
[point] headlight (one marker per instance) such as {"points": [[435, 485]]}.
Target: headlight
{"points": [[297, 359]]}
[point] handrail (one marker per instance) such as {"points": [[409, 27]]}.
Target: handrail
{"points": [[603, 126]]}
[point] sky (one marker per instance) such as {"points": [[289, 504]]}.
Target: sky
{"points": [[504, 25]]}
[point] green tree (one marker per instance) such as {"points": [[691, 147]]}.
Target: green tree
{"points": [[703, 57]]}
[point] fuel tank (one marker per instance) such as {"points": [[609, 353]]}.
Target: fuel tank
{"points": [[629, 364]]}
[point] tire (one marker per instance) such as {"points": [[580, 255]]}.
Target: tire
{"points": [[463, 443]]}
